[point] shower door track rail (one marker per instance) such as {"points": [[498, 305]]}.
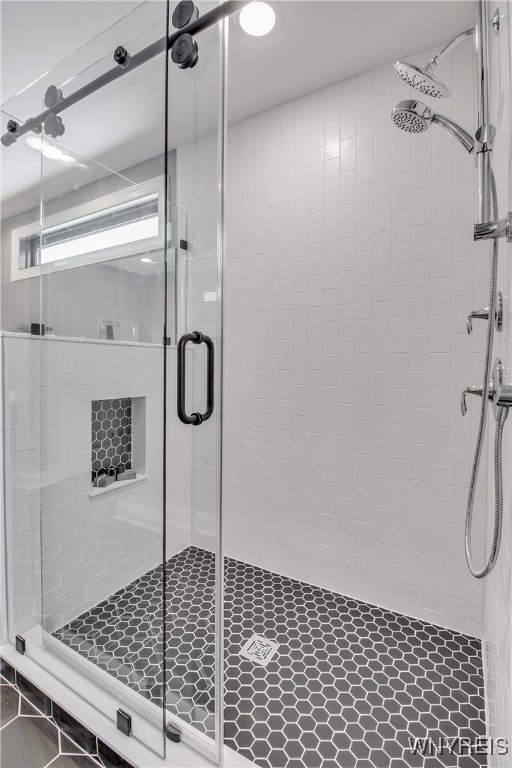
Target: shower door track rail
{"points": [[131, 700], [136, 60]]}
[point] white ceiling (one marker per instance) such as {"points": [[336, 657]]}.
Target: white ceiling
{"points": [[37, 34], [315, 43]]}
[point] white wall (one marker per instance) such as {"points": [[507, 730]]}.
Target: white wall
{"points": [[350, 271], [91, 546], [498, 586]]}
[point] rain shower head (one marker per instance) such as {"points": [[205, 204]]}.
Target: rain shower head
{"points": [[415, 117], [421, 79]]}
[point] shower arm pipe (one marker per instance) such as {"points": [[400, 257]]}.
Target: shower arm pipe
{"points": [[448, 48], [434, 61], [136, 60]]}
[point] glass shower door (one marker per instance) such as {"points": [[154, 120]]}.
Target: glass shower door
{"points": [[104, 334], [115, 300], [194, 572]]}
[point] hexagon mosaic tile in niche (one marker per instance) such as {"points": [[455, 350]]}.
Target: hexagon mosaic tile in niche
{"points": [[111, 434], [348, 686]]}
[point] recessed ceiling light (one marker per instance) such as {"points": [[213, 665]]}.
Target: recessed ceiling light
{"points": [[49, 150], [257, 18], [147, 260]]}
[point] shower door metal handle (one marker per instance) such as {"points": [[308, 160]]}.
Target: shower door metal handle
{"points": [[196, 337]]}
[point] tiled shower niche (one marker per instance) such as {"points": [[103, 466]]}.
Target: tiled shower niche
{"points": [[111, 434]]}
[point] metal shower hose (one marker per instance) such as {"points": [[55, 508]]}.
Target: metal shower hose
{"points": [[498, 440]]}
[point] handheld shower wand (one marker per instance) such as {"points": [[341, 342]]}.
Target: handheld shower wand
{"points": [[415, 117]]}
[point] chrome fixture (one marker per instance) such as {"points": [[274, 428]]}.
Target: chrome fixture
{"points": [[478, 390], [487, 393], [485, 131], [415, 117], [483, 314], [423, 79], [487, 212], [502, 393], [490, 230]]}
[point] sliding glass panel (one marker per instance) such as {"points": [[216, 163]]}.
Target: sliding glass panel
{"points": [[193, 569], [88, 286], [115, 258], [21, 168]]}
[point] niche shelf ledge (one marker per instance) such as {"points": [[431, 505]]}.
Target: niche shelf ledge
{"points": [[117, 486]]}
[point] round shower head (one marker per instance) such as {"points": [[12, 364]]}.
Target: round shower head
{"points": [[415, 117], [421, 79], [411, 116]]}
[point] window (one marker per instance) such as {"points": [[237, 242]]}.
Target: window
{"points": [[112, 227]]}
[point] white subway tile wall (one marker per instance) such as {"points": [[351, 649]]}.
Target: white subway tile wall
{"points": [[21, 483], [350, 270], [90, 546], [497, 633], [196, 190]]}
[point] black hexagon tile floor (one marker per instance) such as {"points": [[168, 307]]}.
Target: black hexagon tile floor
{"points": [[313, 679]]}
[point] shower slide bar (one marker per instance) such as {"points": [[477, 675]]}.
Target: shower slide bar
{"points": [[57, 104], [413, 116]]}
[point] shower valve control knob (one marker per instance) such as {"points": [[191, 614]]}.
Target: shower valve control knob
{"points": [[477, 389], [483, 314]]}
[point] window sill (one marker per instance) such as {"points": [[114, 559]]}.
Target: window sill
{"points": [[117, 486]]}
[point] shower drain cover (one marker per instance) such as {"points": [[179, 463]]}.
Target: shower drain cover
{"points": [[259, 650]]}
